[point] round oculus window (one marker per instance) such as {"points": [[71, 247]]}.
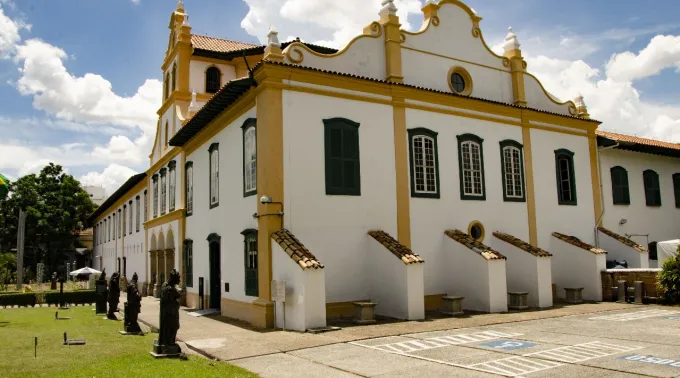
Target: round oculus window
{"points": [[476, 231], [458, 82]]}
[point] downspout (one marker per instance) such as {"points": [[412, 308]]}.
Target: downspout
{"points": [[599, 169]]}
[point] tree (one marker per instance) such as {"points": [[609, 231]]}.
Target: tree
{"points": [[56, 208], [669, 279]]}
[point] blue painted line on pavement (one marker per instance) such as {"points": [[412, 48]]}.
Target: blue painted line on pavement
{"points": [[507, 344]]}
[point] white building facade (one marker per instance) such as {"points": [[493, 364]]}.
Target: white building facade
{"points": [[391, 170]]}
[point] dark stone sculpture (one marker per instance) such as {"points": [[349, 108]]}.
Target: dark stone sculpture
{"points": [[114, 296], [102, 277], [133, 307], [53, 281], [166, 345]]}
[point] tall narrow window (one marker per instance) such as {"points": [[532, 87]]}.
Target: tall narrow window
{"points": [[250, 259], [107, 230], [164, 191], [424, 163], [114, 226], [137, 205], [174, 76], [189, 262], [676, 188], [155, 195], [343, 175], [120, 230], [512, 169], [213, 78], [166, 87], [564, 172], [471, 167], [130, 219], [146, 207], [652, 188], [214, 154], [189, 173], [620, 192], [249, 158], [167, 133], [123, 229], [172, 183]]}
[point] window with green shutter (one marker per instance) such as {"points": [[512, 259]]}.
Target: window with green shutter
{"points": [[341, 145], [652, 188], [512, 170], [424, 163], [250, 261], [620, 191], [564, 172], [676, 188]]}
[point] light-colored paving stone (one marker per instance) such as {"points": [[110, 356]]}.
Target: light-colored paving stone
{"points": [[282, 365]]}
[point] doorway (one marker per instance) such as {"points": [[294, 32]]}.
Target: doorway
{"points": [[215, 274]]}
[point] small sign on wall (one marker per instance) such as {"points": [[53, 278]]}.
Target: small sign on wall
{"points": [[278, 291]]}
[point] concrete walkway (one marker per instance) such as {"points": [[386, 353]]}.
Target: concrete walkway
{"points": [[278, 353]]}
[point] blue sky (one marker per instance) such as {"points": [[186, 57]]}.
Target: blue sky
{"points": [[47, 113]]}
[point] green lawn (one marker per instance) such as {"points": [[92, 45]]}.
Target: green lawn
{"points": [[106, 354]]}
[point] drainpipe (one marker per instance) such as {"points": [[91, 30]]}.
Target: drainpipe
{"points": [[599, 169]]}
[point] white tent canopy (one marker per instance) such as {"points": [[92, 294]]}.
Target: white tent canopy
{"points": [[666, 249], [85, 270]]}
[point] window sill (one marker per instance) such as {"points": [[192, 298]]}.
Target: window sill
{"points": [[250, 193], [567, 203], [342, 193], [465, 197], [425, 195], [214, 205], [511, 199], [622, 203]]}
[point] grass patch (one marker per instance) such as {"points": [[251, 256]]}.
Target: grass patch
{"points": [[106, 354]]}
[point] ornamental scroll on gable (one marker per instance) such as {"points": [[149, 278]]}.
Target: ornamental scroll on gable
{"points": [[449, 40]]}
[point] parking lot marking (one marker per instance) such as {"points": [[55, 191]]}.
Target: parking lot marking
{"points": [[582, 352], [443, 341], [515, 366], [629, 316]]}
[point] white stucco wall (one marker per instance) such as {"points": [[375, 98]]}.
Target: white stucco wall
{"points": [[364, 57], [431, 217], [335, 228], [551, 217], [229, 219], [537, 98], [573, 267], [305, 305], [482, 282], [527, 273], [619, 251], [397, 288], [134, 245], [197, 70], [661, 223]]}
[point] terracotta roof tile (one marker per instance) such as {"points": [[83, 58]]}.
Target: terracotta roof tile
{"points": [[524, 246], [476, 246], [623, 240], [576, 242], [296, 250], [401, 251], [638, 140], [203, 42]]}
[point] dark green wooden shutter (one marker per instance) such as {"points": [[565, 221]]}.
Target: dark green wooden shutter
{"points": [[620, 191], [341, 145], [676, 188], [652, 190]]}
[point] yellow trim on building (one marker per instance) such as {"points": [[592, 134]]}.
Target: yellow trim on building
{"points": [[401, 164], [595, 175], [529, 182], [469, 85], [164, 219], [481, 226]]}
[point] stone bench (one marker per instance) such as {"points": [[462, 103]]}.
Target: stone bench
{"points": [[364, 312], [452, 306], [518, 301], [573, 295]]}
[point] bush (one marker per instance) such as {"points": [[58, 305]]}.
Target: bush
{"points": [[18, 299], [79, 297], [669, 280]]}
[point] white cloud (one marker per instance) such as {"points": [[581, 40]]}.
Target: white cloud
{"points": [[9, 32], [111, 178], [135, 2], [329, 22], [662, 52]]}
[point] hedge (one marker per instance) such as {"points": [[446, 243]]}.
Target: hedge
{"points": [[71, 297], [18, 299]]}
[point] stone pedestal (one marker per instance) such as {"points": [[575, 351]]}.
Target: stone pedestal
{"points": [[621, 294], [518, 301], [364, 312], [452, 306], [166, 351], [574, 294], [639, 291], [100, 304]]}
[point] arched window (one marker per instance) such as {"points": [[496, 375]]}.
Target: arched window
{"points": [[652, 188], [213, 78], [166, 87], [513, 171], [164, 191], [620, 192], [471, 167], [190, 187], [172, 184], [424, 163], [174, 76], [249, 158], [167, 133]]}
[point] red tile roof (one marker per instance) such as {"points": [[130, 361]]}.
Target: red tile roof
{"points": [[401, 251], [633, 139], [524, 246], [475, 245], [623, 240], [296, 250], [203, 42], [576, 242]]}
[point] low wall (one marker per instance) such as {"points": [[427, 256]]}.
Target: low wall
{"points": [[610, 278]]}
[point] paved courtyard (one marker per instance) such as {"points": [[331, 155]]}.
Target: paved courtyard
{"points": [[607, 341]]}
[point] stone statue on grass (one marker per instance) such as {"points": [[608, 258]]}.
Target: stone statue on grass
{"points": [[133, 307], [166, 344], [114, 296]]}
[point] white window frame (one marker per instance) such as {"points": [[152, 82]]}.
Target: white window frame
{"points": [[513, 178], [190, 188], [250, 159], [470, 158], [214, 176], [428, 162], [172, 184]]}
